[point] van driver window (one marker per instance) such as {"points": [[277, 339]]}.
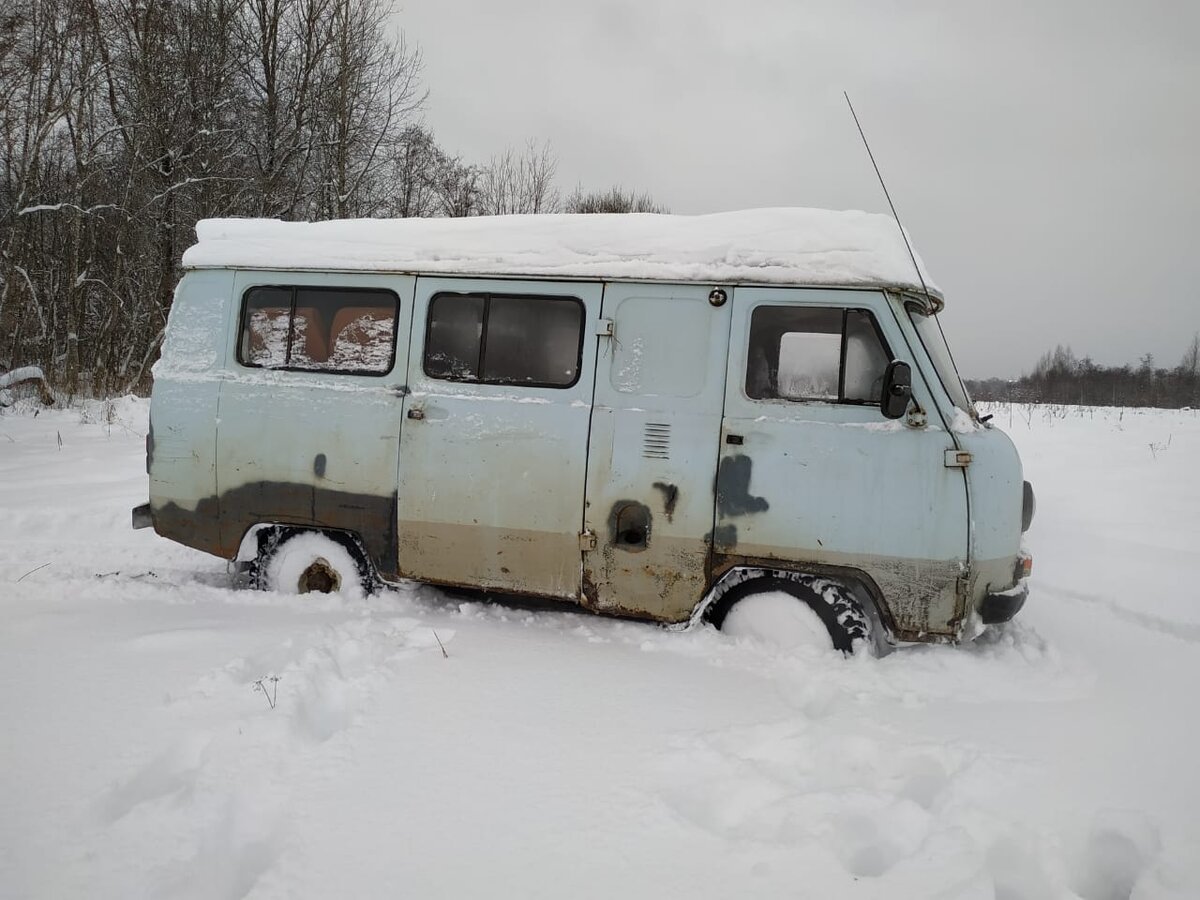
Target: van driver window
{"points": [[348, 331], [815, 353], [504, 339]]}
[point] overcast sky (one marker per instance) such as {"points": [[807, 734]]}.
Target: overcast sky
{"points": [[1043, 155]]}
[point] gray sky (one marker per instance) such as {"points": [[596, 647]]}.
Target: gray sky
{"points": [[1042, 154]]}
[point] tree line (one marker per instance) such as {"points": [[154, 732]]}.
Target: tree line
{"points": [[1061, 377], [123, 122]]}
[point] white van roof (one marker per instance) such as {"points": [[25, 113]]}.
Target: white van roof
{"points": [[770, 246]]}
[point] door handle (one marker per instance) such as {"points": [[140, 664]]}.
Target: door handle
{"points": [[733, 439], [416, 413]]}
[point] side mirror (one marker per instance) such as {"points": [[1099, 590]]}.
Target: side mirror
{"points": [[897, 389]]}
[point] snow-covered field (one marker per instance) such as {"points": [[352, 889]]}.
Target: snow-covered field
{"points": [[562, 755]]}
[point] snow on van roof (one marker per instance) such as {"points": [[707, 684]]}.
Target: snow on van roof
{"points": [[773, 246]]}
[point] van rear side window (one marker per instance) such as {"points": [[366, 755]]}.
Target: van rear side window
{"points": [[504, 339], [348, 331], [815, 353]]}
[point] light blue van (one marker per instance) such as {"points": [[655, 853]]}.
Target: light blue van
{"points": [[672, 418]]}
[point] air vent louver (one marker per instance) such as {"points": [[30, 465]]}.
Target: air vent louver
{"points": [[656, 440]]}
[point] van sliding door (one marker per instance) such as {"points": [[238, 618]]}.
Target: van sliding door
{"points": [[660, 378], [494, 443]]}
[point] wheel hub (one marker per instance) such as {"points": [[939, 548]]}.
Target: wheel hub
{"points": [[320, 578]]}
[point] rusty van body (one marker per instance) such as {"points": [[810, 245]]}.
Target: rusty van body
{"points": [[620, 412]]}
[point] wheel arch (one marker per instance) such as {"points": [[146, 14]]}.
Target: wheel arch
{"points": [[260, 539], [859, 584]]}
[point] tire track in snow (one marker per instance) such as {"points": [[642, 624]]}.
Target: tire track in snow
{"points": [[1184, 631]]}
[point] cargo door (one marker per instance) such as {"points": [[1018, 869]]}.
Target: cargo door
{"points": [[494, 446], [810, 469], [309, 417], [654, 443]]}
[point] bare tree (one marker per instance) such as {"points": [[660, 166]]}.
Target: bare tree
{"points": [[1059, 377], [38, 88], [368, 92], [457, 186], [1190, 364], [519, 182], [414, 164], [615, 200], [280, 47]]}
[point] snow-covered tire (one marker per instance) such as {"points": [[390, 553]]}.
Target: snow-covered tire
{"points": [[303, 562], [791, 610]]}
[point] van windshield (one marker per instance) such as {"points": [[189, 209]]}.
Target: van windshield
{"points": [[935, 345]]}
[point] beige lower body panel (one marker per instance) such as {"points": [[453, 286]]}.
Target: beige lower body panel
{"points": [[664, 581], [539, 563]]}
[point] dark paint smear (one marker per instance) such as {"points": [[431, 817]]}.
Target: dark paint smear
{"points": [[733, 488], [670, 496], [218, 524]]}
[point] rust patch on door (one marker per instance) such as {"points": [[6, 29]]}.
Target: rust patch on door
{"points": [[591, 595], [662, 585], [723, 538]]}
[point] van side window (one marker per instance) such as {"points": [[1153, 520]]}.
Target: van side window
{"points": [[349, 331], [504, 339], [815, 353]]}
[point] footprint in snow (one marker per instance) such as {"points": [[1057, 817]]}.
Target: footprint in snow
{"points": [[171, 772], [1114, 856]]}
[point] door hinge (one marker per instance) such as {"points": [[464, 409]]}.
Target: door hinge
{"points": [[957, 459], [962, 587], [604, 328], [587, 541]]}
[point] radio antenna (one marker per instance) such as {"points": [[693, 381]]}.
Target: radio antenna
{"points": [[921, 278], [895, 215]]}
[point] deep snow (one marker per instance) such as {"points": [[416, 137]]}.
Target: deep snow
{"points": [[559, 754]]}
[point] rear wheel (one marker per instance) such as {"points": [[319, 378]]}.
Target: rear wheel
{"points": [[311, 562], [791, 611]]}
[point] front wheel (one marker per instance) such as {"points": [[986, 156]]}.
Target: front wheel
{"points": [[307, 562], [792, 611]]}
